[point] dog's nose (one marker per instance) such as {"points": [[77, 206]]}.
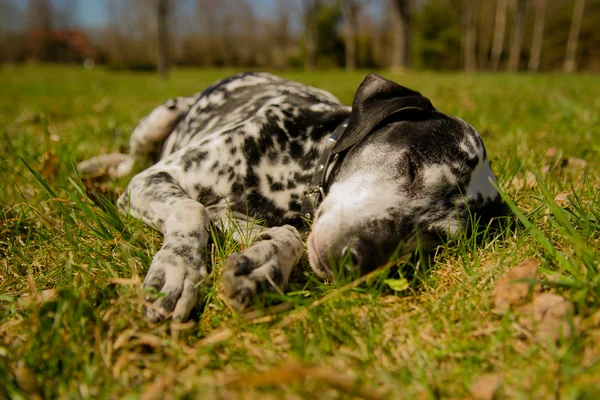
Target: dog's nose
{"points": [[350, 254], [360, 255]]}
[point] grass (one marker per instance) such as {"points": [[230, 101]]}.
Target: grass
{"points": [[71, 312]]}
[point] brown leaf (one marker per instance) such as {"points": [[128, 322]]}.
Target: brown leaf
{"points": [[27, 381], [293, 371], [526, 182], [485, 387], [509, 292], [562, 199], [545, 169], [38, 297], [576, 163], [49, 170], [551, 153], [546, 316]]}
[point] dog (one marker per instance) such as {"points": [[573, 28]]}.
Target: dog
{"points": [[384, 177]]}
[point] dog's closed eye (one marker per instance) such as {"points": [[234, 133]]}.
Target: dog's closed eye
{"points": [[409, 167]]}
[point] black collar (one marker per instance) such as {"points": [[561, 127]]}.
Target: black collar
{"points": [[316, 189]]}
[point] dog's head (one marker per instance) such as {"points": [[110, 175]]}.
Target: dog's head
{"points": [[409, 176]]}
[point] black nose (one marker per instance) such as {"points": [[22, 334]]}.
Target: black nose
{"points": [[350, 254], [361, 255]]}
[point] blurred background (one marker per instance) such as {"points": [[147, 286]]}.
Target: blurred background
{"points": [[469, 35]]}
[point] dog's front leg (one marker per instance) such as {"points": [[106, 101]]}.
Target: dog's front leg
{"points": [[155, 197], [264, 266]]}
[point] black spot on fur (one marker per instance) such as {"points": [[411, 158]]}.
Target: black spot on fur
{"points": [[296, 150], [251, 151], [158, 178], [206, 195], [193, 158], [276, 187], [294, 205]]}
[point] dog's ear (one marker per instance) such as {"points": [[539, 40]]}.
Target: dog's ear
{"points": [[376, 99]]}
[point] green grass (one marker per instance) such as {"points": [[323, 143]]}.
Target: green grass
{"points": [[430, 340]]}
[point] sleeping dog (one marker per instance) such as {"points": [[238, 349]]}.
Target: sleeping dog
{"points": [[382, 178]]}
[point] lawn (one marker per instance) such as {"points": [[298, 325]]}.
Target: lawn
{"points": [[72, 313]]}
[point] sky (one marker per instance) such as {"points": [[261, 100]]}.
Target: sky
{"points": [[93, 13]]}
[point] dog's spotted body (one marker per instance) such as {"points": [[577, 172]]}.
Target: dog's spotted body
{"points": [[404, 175]]}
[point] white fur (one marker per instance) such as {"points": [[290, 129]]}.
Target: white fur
{"points": [[433, 174]]}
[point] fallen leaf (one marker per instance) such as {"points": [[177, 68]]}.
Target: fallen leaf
{"points": [[551, 153], [526, 182], [576, 163], [562, 199], [397, 285], [38, 297], [547, 316], [49, 170], [485, 387], [510, 292], [293, 371], [27, 381]]}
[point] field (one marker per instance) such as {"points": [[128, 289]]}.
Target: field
{"points": [[72, 314]]}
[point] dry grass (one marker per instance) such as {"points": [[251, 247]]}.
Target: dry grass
{"points": [[71, 311]]}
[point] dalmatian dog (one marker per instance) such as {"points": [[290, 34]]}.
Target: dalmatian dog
{"points": [[384, 177]]}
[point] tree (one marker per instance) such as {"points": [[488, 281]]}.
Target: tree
{"points": [[39, 15], [485, 30], [518, 33], [538, 35], [351, 9], [11, 38], [281, 34], [469, 34], [401, 29], [439, 44], [163, 9], [310, 33], [499, 33], [570, 57]]}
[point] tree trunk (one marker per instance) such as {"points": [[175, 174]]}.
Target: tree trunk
{"points": [[570, 57], [499, 30], [485, 28], [351, 14], [538, 35], [163, 38], [469, 33], [401, 21], [310, 33], [282, 35], [518, 34]]}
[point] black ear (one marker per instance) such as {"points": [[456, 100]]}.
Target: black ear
{"points": [[376, 99]]}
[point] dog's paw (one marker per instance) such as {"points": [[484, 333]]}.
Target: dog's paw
{"points": [[113, 165], [261, 268], [175, 287]]}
